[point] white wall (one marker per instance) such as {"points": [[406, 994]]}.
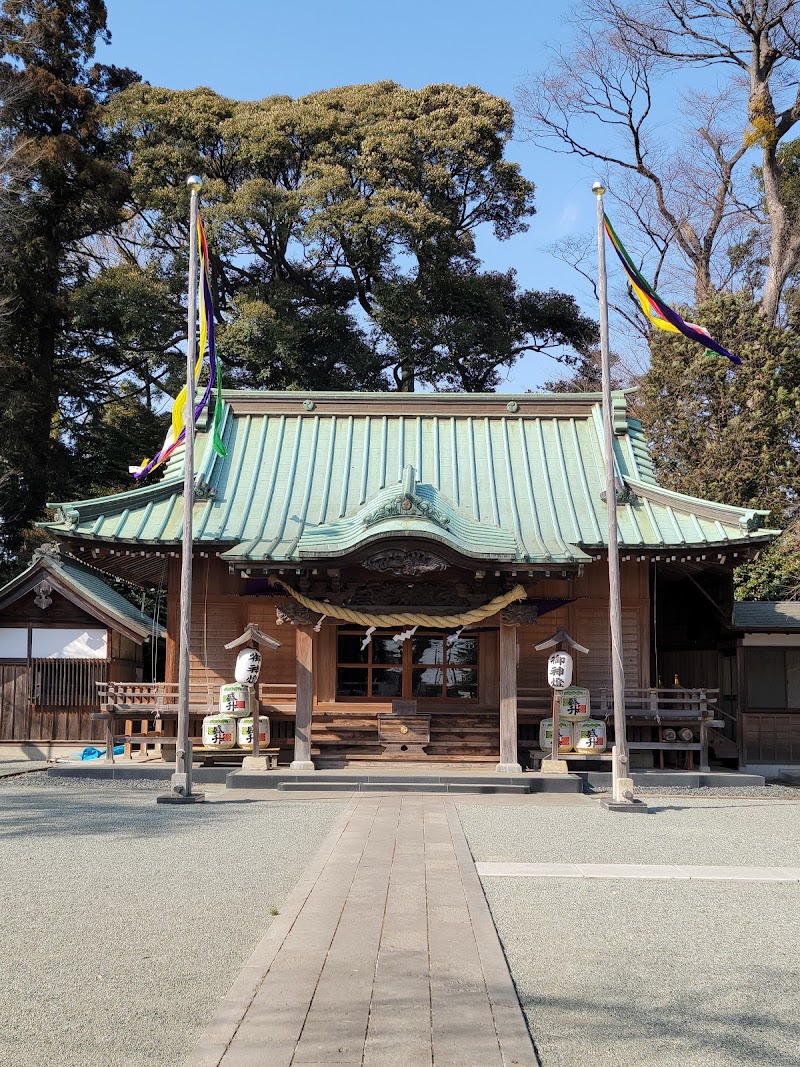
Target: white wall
{"points": [[68, 643], [13, 642]]}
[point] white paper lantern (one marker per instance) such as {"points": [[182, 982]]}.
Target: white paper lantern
{"points": [[248, 666], [559, 670]]}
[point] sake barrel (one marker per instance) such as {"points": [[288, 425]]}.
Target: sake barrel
{"points": [[670, 734], [219, 731], [590, 736], [686, 733], [234, 699], [248, 665], [546, 735], [245, 731], [574, 703]]}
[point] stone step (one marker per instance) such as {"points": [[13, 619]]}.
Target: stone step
{"points": [[363, 780], [405, 787]]}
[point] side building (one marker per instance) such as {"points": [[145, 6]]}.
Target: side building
{"points": [[63, 630]]}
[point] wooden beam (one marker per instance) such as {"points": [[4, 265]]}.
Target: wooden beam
{"points": [[509, 763], [304, 658]]}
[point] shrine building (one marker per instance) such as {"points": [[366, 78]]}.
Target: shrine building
{"points": [[483, 518]]}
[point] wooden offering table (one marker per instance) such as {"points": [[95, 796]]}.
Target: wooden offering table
{"points": [[404, 731]]}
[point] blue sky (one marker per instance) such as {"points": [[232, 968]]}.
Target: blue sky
{"points": [[249, 49]]}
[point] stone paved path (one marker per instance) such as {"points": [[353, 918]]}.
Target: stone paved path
{"points": [[385, 955]]}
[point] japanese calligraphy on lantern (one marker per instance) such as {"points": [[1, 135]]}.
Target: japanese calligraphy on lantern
{"points": [[559, 670], [248, 665]]}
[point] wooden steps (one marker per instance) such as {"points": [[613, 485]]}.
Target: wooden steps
{"points": [[457, 735]]}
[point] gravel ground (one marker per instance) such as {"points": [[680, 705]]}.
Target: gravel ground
{"points": [[683, 830], [763, 792], [654, 974], [12, 767], [151, 785], [125, 921], [650, 973]]}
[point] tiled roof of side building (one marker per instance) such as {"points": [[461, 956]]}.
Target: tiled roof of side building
{"points": [[85, 586], [520, 475], [775, 615]]}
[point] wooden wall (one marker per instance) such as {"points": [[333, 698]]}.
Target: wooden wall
{"points": [[62, 612], [586, 619], [20, 719], [219, 614]]}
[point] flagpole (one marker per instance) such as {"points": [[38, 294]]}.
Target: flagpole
{"points": [[181, 784], [621, 782]]}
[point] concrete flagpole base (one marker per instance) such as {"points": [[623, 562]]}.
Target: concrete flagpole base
{"points": [[624, 805], [180, 798], [301, 765]]}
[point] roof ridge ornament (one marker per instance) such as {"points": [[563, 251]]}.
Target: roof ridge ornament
{"points": [[407, 504], [50, 551]]}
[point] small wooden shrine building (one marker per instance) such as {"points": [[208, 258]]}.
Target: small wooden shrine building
{"points": [[480, 519], [769, 683], [63, 629]]}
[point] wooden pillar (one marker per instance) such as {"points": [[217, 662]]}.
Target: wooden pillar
{"points": [[304, 644], [508, 700]]}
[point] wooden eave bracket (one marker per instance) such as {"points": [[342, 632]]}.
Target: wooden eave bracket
{"points": [[560, 637], [253, 633]]}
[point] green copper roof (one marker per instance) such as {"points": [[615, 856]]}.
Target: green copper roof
{"points": [[83, 586], [518, 479]]}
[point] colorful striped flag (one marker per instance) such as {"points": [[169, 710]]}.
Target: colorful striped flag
{"points": [[659, 313], [177, 429]]}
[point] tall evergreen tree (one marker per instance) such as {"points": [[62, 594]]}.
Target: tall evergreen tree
{"points": [[732, 433], [343, 228], [72, 187]]}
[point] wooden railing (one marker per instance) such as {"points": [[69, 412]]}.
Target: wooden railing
{"points": [[651, 704], [647, 712], [149, 711]]}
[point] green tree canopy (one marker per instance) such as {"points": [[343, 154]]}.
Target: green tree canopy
{"points": [[732, 434], [69, 185], [343, 231]]}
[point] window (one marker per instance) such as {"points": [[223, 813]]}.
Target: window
{"points": [[773, 678], [427, 667]]}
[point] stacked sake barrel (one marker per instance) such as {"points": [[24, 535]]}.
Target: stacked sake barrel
{"points": [[234, 724], [576, 729]]}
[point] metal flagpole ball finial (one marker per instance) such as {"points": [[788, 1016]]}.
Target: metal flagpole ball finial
{"points": [[194, 182], [598, 189]]}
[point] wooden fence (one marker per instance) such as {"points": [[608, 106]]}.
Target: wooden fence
{"points": [[50, 699]]}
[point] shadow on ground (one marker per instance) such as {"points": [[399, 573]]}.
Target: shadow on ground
{"points": [[672, 1026]]}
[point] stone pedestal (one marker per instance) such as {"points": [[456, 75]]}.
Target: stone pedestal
{"points": [[554, 766], [255, 763]]}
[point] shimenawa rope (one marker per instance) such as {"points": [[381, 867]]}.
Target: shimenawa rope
{"points": [[408, 618]]}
